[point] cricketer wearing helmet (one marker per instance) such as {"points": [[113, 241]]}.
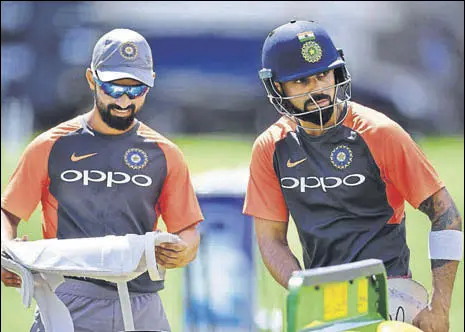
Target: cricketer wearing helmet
{"points": [[343, 172]]}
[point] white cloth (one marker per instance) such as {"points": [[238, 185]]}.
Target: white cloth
{"points": [[43, 264]]}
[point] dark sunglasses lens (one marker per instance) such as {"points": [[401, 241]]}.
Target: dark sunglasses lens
{"points": [[116, 91], [136, 91], [112, 90]]}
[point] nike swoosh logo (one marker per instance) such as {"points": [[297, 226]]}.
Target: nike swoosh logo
{"points": [[293, 164], [77, 158]]}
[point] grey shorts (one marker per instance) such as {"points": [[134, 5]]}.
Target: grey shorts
{"points": [[95, 308]]}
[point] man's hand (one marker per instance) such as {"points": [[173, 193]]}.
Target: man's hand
{"points": [[172, 255], [10, 279], [432, 319]]}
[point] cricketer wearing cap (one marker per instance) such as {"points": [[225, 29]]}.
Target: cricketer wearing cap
{"points": [[106, 173], [343, 172]]}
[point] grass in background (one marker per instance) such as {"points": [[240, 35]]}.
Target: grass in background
{"points": [[204, 153]]}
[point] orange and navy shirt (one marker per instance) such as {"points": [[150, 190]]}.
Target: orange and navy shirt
{"points": [[345, 189], [93, 185]]}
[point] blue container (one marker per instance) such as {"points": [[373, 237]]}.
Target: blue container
{"points": [[220, 283]]}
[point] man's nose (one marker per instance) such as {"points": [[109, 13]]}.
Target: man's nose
{"points": [[124, 101], [316, 84]]}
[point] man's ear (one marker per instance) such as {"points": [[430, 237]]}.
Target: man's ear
{"points": [[90, 79]]}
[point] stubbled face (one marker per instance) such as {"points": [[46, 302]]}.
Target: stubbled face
{"points": [[323, 97], [117, 113]]}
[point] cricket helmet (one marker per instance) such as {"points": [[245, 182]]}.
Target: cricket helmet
{"points": [[300, 49]]}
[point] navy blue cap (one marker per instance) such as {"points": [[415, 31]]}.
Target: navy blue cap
{"points": [[299, 49], [123, 53]]}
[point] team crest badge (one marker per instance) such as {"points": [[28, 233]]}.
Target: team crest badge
{"points": [[312, 52], [128, 50], [136, 158], [341, 157]]}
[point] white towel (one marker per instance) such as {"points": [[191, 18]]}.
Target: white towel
{"points": [[43, 264]]}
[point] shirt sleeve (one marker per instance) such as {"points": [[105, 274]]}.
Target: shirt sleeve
{"points": [[178, 203], [264, 198], [408, 168], [30, 178]]}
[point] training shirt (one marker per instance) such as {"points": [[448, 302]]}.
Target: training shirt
{"points": [[93, 185], [345, 189]]}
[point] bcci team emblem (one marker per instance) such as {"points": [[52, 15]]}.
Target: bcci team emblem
{"points": [[312, 52], [128, 50], [136, 158], [341, 157]]}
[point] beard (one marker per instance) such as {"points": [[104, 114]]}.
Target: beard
{"points": [[314, 117], [115, 122]]}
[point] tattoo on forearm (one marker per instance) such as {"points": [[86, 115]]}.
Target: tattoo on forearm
{"points": [[442, 212], [444, 215], [428, 208], [450, 219]]}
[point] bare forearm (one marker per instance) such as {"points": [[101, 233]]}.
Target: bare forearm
{"points": [[9, 232], [443, 283], [9, 225], [444, 215], [191, 237], [279, 260]]}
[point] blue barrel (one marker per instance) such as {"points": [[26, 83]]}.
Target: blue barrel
{"points": [[219, 285]]}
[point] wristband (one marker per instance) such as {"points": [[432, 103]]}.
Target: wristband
{"points": [[447, 244]]}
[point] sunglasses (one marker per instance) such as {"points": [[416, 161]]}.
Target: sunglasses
{"points": [[116, 91]]}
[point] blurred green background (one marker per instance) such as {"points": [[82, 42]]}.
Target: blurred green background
{"points": [[204, 153]]}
